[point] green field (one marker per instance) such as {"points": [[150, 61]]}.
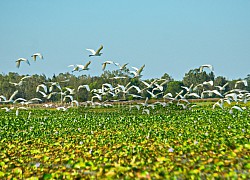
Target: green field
{"points": [[115, 143]]}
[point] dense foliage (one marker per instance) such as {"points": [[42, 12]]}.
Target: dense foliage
{"points": [[115, 143], [28, 89]]}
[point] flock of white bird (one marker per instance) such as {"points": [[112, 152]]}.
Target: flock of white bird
{"points": [[155, 89]]}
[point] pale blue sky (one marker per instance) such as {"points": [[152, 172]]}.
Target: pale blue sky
{"points": [[171, 36]]}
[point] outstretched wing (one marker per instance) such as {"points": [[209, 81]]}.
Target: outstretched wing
{"points": [[99, 50], [91, 50]]}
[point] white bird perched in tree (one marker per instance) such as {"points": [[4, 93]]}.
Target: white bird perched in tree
{"points": [[83, 86], [18, 62], [37, 54], [241, 81], [95, 53], [137, 72], [105, 64], [206, 66]]}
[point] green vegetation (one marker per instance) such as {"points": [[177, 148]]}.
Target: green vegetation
{"points": [[115, 143]]}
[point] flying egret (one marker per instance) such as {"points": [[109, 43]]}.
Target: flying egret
{"points": [[95, 53], [222, 88], [10, 99], [42, 86], [71, 91], [105, 64], [68, 96], [121, 67], [235, 107], [7, 109], [137, 72], [211, 83], [20, 83], [37, 54], [18, 62], [206, 66], [83, 86], [241, 81]]}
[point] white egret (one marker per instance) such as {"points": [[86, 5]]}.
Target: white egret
{"points": [[42, 86], [105, 64], [121, 67], [10, 99], [241, 81], [35, 55], [137, 72], [235, 107], [95, 53], [68, 96], [18, 62], [206, 66], [222, 88], [83, 86], [71, 91]]}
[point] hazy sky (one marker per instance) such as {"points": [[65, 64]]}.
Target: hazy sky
{"points": [[169, 36]]}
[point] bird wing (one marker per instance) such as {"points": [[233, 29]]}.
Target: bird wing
{"points": [[87, 64], [13, 95], [18, 62], [27, 61], [135, 68], [92, 51], [140, 70], [103, 66], [25, 77], [99, 50]]}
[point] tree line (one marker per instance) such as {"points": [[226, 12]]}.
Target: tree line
{"points": [[28, 89]]}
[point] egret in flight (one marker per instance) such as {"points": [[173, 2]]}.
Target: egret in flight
{"points": [[37, 54], [18, 62], [95, 53]]}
